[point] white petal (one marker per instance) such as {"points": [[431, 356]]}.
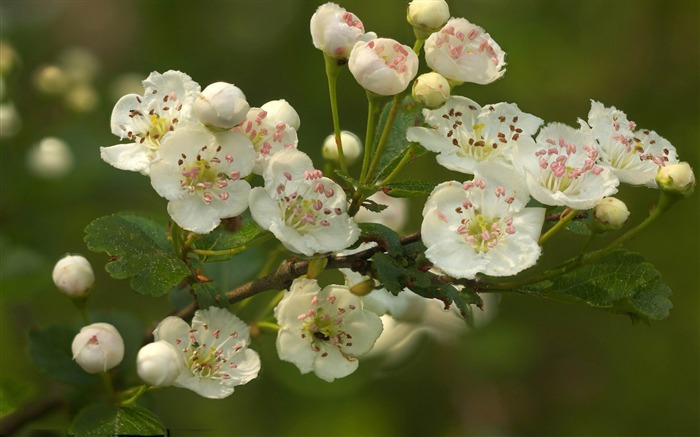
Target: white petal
{"points": [[171, 329], [131, 156], [291, 347], [334, 364], [365, 327], [121, 122], [263, 208], [192, 214]]}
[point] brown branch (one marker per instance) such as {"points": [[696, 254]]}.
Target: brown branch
{"points": [[32, 411]]}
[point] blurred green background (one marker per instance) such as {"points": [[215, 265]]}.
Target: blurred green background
{"points": [[538, 368]]}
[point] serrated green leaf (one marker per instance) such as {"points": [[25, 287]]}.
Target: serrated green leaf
{"points": [[109, 420], [373, 206], [409, 188], [408, 115], [221, 240], [49, 349], [141, 250], [620, 282], [579, 227], [389, 272], [209, 294], [385, 237]]}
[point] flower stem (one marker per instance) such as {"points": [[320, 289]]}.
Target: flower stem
{"points": [[563, 221], [107, 383], [332, 71], [418, 45], [141, 390], [269, 326], [405, 159], [235, 250], [372, 109], [385, 136], [80, 304]]}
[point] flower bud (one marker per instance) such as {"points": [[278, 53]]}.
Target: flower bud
{"points": [[73, 275], [51, 80], [280, 110], [383, 66], [677, 179], [609, 214], [159, 363], [352, 147], [428, 15], [431, 89], [98, 347], [335, 30], [221, 105]]}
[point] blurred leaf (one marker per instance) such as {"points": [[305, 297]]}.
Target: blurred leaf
{"points": [[409, 188], [209, 294], [389, 272], [449, 294], [221, 239], [140, 250], [109, 420], [385, 237], [620, 282], [409, 114], [579, 227], [49, 349], [13, 393], [22, 271]]}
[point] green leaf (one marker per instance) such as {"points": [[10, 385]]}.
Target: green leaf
{"points": [[409, 188], [109, 420], [385, 237], [13, 393], [620, 282], [140, 251], [222, 240], [373, 206], [408, 115], [50, 350], [209, 294], [23, 271], [389, 272]]}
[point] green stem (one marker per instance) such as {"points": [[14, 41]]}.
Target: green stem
{"points": [[396, 102], [332, 71], [107, 383], [372, 110], [235, 250], [80, 304], [274, 327], [405, 159], [141, 390], [418, 45], [561, 224]]}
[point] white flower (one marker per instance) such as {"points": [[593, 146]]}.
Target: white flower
{"points": [[200, 173], [633, 156], [335, 30], [281, 110], [428, 14], [383, 66], [352, 147], [268, 133], [481, 226], [73, 275], [304, 210], [464, 134], [98, 347], [147, 120], [431, 89], [677, 179], [610, 214], [221, 105], [464, 52], [394, 216], [51, 158], [324, 330], [213, 351], [562, 168], [159, 363]]}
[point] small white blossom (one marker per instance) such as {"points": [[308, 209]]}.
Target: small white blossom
{"points": [[51, 158], [281, 110], [324, 330], [383, 66], [159, 363], [147, 120], [464, 134], [464, 52], [481, 226], [73, 275], [304, 210], [335, 30], [98, 347], [221, 105], [213, 351], [610, 214], [394, 216], [563, 169], [201, 174], [431, 89], [352, 147], [269, 133], [634, 156], [428, 15]]}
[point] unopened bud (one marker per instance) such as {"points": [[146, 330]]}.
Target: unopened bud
{"points": [[383, 66], [335, 30], [221, 105], [280, 110], [428, 15], [431, 89], [363, 288], [352, 147], [73, 275], [98, 347], [676, 179], [609, 214], [159, 363], [51, 80]]}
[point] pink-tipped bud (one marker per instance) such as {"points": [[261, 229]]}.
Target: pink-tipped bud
{"points": [[98, 347]]}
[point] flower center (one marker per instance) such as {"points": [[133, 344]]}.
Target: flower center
{"points": [[321, 327], [153, 119], [560, 173], [211, 361], [205, 176], [260, 134], [394, 59], [305, 212], [461, 45]]}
